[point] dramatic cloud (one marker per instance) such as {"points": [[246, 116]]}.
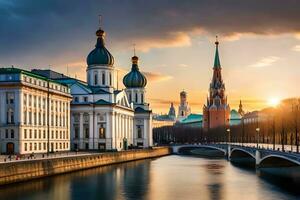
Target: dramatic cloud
{"points": [[266, 61], [48, 29]]}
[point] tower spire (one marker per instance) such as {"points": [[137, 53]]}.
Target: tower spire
{"points": [[217, 63], [134, 50], [100, 21], [134, 59], [100, 34]]}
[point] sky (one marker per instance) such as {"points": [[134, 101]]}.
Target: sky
{"points": [[259, 44]]}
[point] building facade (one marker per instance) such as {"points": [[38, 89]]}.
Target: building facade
{"points": [[216, 112], [184, 109], [34, 113], [135, 83], [102, 116]]}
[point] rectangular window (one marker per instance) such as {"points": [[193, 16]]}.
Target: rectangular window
{"points": [[139, 132], [25, 133], [86, 130], [25, 99], [6, 133], [10, 97], [102, 131], [30, 133], [25, 146], [44, 119], [25, 117], [35, 134], [34, 119], [12, 133], [30, 118]]}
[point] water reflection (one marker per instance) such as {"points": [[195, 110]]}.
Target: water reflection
{"points": [[214, 171], [172, 177]]}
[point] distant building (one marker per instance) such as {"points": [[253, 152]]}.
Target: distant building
{"points": [[193, 120], [241, 111], [165, 119], [162, 120], [216, 112], [172, 112], [235, 117], [34, 113], [183, 109]]}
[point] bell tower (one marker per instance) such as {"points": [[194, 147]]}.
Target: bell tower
{"points": [[216, 112]]}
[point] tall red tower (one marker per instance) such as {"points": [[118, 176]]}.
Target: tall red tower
{"points": [[216, 112]]}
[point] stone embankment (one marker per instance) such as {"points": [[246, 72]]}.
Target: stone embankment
{"points": [[13, 172]]}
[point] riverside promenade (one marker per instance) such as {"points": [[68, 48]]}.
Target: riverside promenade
{"points": [[28, 169]]}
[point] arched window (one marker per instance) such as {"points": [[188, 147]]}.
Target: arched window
{"points": [[129, 97], [103, 79], [136, 97], [182, 113], [142, 98], [96, 79]]}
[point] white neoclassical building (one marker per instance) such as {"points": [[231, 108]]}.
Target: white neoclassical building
{"points": [[34, 113], [103, 117]]}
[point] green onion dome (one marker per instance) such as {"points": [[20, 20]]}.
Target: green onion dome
{"points": [[134, 79], [100, 55]]}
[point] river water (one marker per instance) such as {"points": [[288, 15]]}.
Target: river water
{"points": [[171, 177]]}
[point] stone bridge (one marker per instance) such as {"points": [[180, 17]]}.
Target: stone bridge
{"points": [[249, 156]]}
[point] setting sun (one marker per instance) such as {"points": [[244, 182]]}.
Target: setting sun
{"points": [[273, 101]]}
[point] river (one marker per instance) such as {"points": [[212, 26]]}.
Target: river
{"points": [[171, 177]]}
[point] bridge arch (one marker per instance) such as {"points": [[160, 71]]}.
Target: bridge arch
{"points": [[242, 157], [273, 160], [207, 150]]}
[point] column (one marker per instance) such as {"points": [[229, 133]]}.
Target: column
{"points": [[108, 130], [113, 130], [91, 130], [145, 133], [81, 145], [96, 130], [72, 128], [21, 107]]}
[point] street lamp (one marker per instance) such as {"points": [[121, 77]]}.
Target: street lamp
{"points": [[257, 135], [228, 130]]}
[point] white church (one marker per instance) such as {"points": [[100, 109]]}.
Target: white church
{"points": [[42, 110], [103, 117]]}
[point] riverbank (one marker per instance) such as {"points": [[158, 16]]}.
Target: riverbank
{"points": [[14, 172]]}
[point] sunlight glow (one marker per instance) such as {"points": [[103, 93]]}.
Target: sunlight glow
{"points": [[274, 102]]}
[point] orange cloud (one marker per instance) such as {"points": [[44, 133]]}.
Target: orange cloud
{"points": [[173, 39]]}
